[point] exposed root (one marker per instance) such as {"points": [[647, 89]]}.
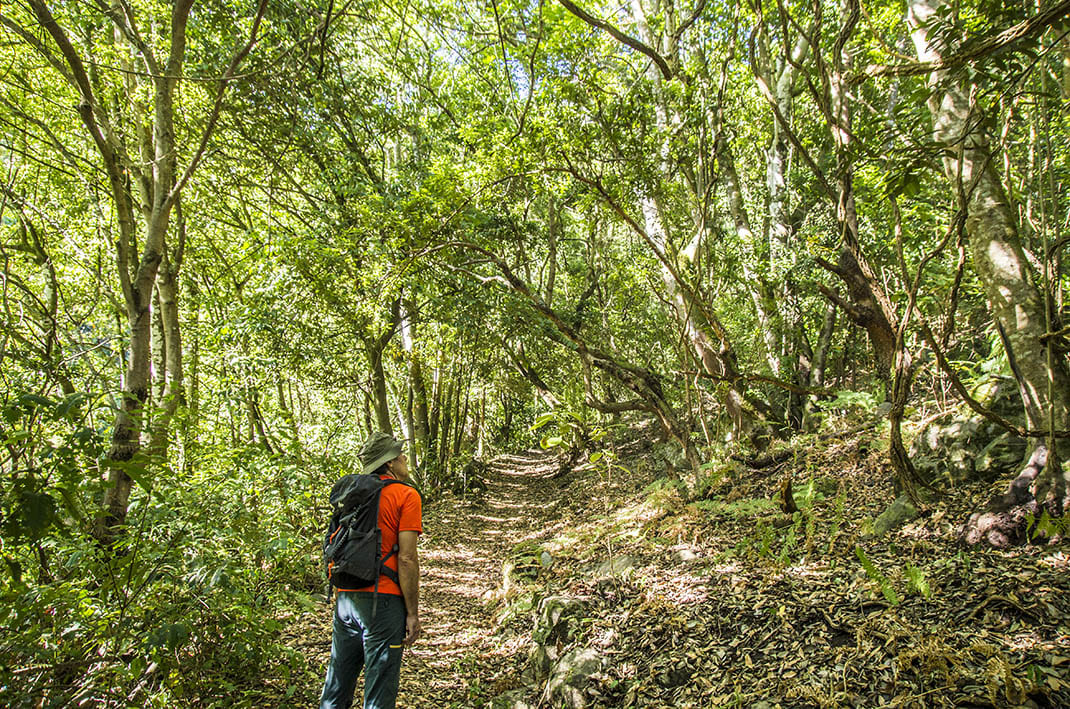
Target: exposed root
{"points": [[1007, 518]]}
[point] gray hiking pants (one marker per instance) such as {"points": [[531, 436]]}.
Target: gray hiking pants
{"points": [[361, 641]]}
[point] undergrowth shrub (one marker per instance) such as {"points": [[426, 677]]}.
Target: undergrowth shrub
{"points": [[666, 494], [186, 608]]}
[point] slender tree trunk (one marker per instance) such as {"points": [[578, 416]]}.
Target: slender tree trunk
{"points": [[367, 401], [421, 417], [741, 221], [417, 387], [399, 405], [156, 177], [705, 332], [191, 417], [159, 359], [869, 306], [438, 416], [446, 424], [824, 342], [172, 380], [462, 414], [552, 228], [410, 426], [781, 255], [286, 411], [257, 429], [481, 424], [44, 312], [1016, 304], [375, 348], [437, 384], [379, 396], [523, 365]]}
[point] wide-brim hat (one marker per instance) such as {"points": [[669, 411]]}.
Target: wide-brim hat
{"points": [[378, 449]]}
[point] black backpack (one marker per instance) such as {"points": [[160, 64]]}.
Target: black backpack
{"points": [[353, 543]]}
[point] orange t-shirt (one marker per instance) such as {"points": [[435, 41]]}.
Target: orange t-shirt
{"points": [[400, 510]]}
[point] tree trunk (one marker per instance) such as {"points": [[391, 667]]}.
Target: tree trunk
{"points": [[418, 388], [552, 228], [462, 414], [155, 176], [286, 411], [435, 412], [481, 424], [191, 417], [1016, 304], [379, 397], [375, 347], [741, 221], [446, 426], [523, 365], [869, 306], [422, 423], [172, 386], [703, 329], [782, 258], [410, 426], [399, 396]]}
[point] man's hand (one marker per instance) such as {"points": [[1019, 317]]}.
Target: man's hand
{"points": [[413, 630]]}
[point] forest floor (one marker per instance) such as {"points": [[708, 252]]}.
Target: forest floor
{"points": [[717, 598]]}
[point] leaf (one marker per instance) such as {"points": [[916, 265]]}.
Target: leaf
{"points": [[38, 511], [69, 408], [543, 420], [29, 402], [551, 441]]}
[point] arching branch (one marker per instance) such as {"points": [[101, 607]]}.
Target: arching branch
{"points": [[663, 65]]}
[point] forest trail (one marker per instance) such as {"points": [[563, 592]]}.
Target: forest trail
{"points": [[462, 551]]}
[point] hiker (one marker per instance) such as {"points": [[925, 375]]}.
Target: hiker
{"points": [[372, 623]]}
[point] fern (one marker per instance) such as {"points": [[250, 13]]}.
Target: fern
{"points": [[918, 582], [877, 577]]}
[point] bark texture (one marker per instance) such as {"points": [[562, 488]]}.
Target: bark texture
{"points": [[995, 245]]}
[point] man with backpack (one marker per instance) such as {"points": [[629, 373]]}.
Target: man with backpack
{"points": [[370, 550]]}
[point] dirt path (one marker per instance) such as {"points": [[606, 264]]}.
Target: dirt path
{"points": [[461, 554]]}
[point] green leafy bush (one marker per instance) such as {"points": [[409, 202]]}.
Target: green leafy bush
{"points": [[185, 603]]}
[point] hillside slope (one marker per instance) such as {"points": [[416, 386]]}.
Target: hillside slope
{"points": [[644, 594]]}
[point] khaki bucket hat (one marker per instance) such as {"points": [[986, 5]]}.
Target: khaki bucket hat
{"points": [[378, 449]]}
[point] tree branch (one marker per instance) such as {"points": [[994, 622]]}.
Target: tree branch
{"points": [[1027, 29], [217, 105], [666, 70], [617, 407]]}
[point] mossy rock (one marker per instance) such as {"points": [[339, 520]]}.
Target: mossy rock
{"points": [[960, 450], [571, 676], [895, 516]]}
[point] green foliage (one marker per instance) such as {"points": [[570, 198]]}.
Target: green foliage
{"points": [[808, 495], [189, 601], [478, 206], [875, 575], [851, 402], [1045, 526], [568, 429], [837, 518], [53, 446], [712, 475], [739, 509], [917, 581], [666, 494]]}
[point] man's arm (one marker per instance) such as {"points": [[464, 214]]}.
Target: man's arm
{"points": [[409, 575]]}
